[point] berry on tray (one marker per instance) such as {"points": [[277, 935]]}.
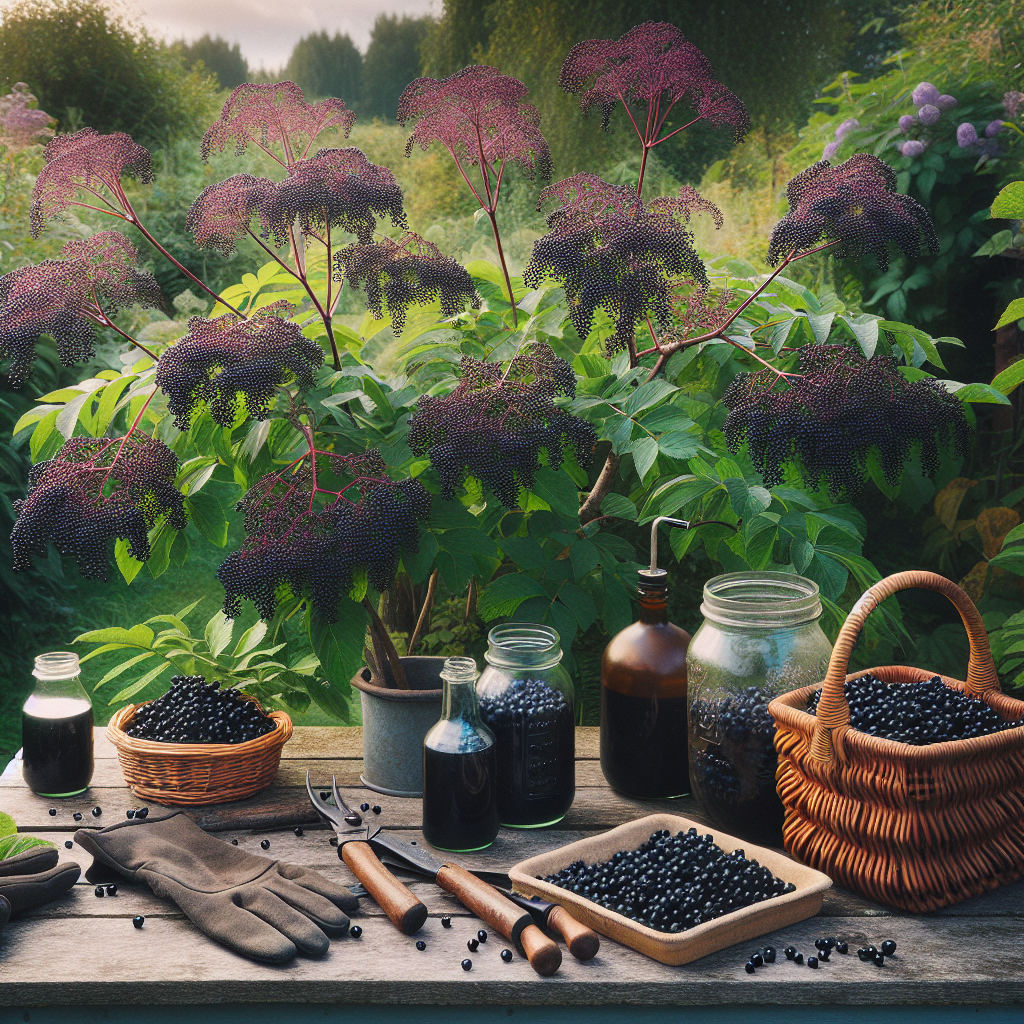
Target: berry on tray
{"points": [[195, 711], [673, 883]]}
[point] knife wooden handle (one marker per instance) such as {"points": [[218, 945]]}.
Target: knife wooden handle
{"points": [[580, 940], [503, 916], [407, 913]]}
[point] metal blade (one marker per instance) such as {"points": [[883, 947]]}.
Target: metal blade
{"points": [[388, 846]]}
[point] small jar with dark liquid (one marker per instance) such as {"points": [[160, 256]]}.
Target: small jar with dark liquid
{"points": [[56, 729], [460, 806], [526, 699], [643, 700]]}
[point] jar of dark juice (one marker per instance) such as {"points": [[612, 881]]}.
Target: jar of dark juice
{"points": [[56, 729], [760, 638], [460, 808], [526, 699]]}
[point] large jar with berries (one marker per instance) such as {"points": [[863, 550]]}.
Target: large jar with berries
{"points": [[760, 638], [526, 700]]}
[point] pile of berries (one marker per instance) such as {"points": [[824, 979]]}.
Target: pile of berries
{"points": [[917, 713], [673, 883], [195, 711]]}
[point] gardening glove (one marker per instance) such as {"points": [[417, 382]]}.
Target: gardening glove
{"points": [[32, 878], [264, 909]]}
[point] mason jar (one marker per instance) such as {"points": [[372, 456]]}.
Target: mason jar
{"points": [[760, 638], [526, 700]]}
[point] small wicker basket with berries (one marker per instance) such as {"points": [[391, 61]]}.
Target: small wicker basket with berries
{"points": [[901, 784], [198, 744]]}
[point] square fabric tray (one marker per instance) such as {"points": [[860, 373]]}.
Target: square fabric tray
{"points": [[683, 947]]}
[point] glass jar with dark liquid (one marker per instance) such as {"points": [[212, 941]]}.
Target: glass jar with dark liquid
{"points": [[56, 729], [460, 807], [526, 699]]}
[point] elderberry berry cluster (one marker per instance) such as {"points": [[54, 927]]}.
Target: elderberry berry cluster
{"points": [[195, 711], [673, 883], [917, 713]]}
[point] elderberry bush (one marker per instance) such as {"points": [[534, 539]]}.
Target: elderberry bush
{"points": [[494, 423], [222, 359], [673, 882], [839, 410], [917, 713], [195, 711], [93, 491]]}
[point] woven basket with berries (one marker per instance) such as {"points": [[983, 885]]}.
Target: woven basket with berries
{"points": [[198, 744], [905, 786]]}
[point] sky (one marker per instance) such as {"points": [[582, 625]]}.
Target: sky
{"points": [[267, 30]]}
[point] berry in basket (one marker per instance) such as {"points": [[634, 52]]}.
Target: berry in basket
{"points": [[195, 711], [673, 882], [917, 713]]}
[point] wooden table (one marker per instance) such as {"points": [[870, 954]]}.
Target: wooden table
{"points": [[81, 960]]}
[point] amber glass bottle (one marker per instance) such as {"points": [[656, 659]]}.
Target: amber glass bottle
{"points": [[643, 700]]}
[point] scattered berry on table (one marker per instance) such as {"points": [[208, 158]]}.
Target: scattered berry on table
{"points": [[375, 808], [324, 795], [757, 960], [264, 844], [364, 807], [506, 955], [769, 955], [130, 813], [53, 812], [482, 935], [812, 962], [473, 945], [790, 952], [749, 967], [234, 842], [99, 890], [879, 959], [355, 931], [421, 945], [799, 958], [77, 815], [467, 964], [299, 832], [842, 947], [195, 711], [673, 883], [917, 713], [446, 921], [142, 812], [68, 844], [97, 811], [138, 921], [824, 954], [888, 947], [111, 889]]}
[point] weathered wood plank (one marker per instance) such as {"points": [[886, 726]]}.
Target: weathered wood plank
{"points": [[347, 741], [177, 969]]}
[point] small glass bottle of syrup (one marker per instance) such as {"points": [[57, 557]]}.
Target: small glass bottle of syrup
{"points": [[643, 694]]}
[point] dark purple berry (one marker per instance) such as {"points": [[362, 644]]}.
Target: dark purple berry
{"points": [[482, 935], [364, 807], [812, 962], [376, 808], [99, 891], [749, 967], [446, 921], [421, 945], [355, 931], [265, 844], [888, 947], [467, 964], [299, 832], [473, 945], [68, 844], [506, 955], [138, 920], [97, 811]]}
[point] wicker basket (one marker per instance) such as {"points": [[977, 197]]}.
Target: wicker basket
{"points": [[915, 827], [197, 773]]}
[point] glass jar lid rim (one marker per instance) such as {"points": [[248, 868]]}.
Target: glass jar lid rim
{"points": [[517, 641], [56, 665], [768, 598]]}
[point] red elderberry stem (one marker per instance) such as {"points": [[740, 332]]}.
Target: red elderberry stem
{"points": [[504, 267], [124, 440], [654, 338], [676, 132], [99, 209]]}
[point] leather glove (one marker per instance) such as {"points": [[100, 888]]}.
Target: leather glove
{"points": [[33, 878], [264, 909]]}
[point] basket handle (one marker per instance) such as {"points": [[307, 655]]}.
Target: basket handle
{"points": [[834, 713]]}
